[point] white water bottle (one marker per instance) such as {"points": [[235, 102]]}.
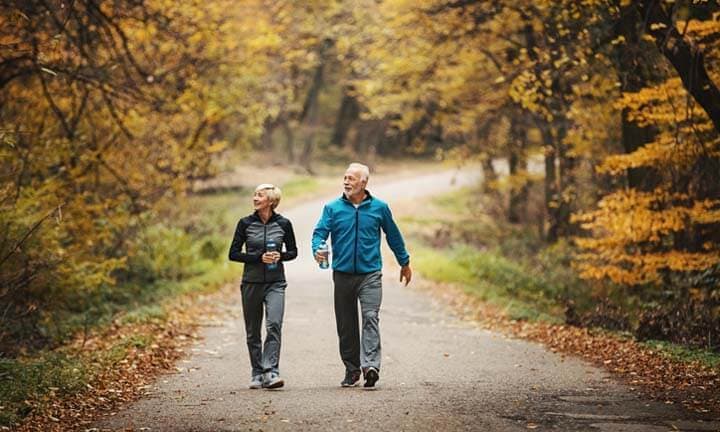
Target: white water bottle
{"points": [[324, 250]]}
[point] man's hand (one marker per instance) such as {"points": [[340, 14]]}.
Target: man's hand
{"points": [[405, 273], [320, 257], [270, 257]]}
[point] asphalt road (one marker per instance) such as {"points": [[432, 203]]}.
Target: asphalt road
{"points": [[438, 374]]}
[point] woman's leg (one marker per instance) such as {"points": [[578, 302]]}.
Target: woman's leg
{"points": [[252, 300], [274, 311]]}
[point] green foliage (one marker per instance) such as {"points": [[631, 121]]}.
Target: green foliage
{"points": [[64, 372], [50, 374], [167, 261], [708, 358], [167, 253], [300, 185], [47, 372], [439, 266], [522, 292]]}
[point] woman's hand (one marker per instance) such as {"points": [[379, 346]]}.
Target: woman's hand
{"points": [[271, 257]]}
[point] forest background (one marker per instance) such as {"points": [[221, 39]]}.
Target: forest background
{"points": [[595, 123]]}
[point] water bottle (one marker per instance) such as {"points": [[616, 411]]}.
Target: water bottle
{"points": [[271, 246], [324, 250]]}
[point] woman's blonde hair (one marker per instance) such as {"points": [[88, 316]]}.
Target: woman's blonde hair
{"points": [[272, 192]]}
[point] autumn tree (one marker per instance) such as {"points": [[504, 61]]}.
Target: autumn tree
{"points": [[109, 110]]}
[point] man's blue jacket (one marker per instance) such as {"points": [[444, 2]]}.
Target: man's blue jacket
{"points": [[355, 234]]}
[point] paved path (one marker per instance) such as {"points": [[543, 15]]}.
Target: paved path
{"points": [[438, 373]]}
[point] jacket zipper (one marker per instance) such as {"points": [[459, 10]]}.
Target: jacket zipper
{"points": [[357, 223], [264, 246]]}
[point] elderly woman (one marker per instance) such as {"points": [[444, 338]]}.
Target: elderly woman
{"points": [[263, 233]]}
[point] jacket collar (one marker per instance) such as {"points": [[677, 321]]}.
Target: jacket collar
{"points": [[273, 216], [368, 198]]}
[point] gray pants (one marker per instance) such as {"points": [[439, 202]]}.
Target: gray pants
{"points": [[358, 352], [271, 298]]}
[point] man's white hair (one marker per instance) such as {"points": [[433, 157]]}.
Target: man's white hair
{"points": [[362, 169], [273, 193]]}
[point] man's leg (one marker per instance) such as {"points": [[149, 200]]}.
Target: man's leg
{"points": [[346, 319], [252, 300], [370, 295], [274, 311]]}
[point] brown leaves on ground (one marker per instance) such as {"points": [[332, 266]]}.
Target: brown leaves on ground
{"points": [[654, 374], [130, 376]]}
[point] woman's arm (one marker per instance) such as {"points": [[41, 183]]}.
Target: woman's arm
{"points": [[289, 240], [236, 253]]}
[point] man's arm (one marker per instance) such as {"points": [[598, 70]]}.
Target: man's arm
{"points": [[397, 244], [394, 238], [321, 231]]}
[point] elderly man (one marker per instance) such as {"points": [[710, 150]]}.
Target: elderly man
{"points": [[353, 223]]}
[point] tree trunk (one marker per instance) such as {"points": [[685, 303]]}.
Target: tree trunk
{"points": [[489, 176], [687, 58], [347, 115], [566, 182], [551, 187], [517, 164], [266, 140], [308, 115], [635, 73], [289, 140]]}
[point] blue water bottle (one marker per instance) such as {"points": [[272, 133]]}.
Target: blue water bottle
{"points": [[324, 250], [271, 246]]}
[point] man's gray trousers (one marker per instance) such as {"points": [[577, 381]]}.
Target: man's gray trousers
{"points": [[358, 352]]}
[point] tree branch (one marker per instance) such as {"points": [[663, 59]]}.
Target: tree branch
{"points": [[686, 57]]}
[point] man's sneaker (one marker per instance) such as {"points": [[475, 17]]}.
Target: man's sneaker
{"points": [[256, 382], [351, 378], [371, 377], [272, 380]]}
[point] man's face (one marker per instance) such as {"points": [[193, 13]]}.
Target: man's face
{"points": [[352, 183]]}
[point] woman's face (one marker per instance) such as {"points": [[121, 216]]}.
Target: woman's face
{"points": [[261, 200]]}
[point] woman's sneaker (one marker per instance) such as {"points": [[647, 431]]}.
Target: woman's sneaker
{"points": [[256, 382], [272, 380], [371, 377], [351, 378]]}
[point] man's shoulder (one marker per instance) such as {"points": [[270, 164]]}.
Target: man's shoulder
{"points": [[378, 204], [336, 203]]}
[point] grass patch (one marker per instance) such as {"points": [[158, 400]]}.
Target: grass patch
{"points": [[36, 378], [300, 186], [492, 278], [677, 352], [32, 383], [457, 240]]}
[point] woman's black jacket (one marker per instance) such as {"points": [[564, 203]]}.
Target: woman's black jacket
{"points": [[254, 234]]}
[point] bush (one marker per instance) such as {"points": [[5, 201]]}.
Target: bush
{"points": [[48, 372], [166, 253]]}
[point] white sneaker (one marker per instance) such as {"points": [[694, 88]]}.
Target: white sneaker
{"points": [[272, 380], [256, 382]]}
